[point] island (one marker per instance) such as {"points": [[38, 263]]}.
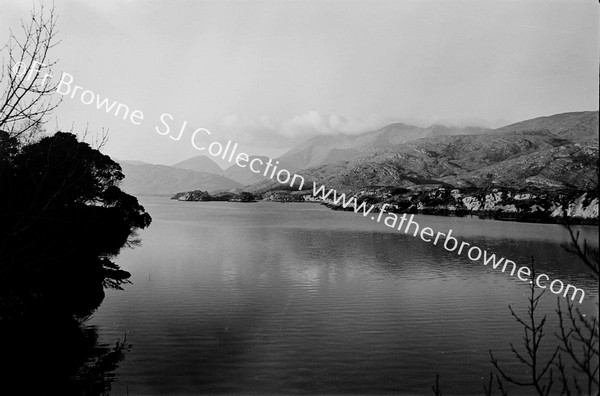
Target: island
{"points": [[199, 195]]}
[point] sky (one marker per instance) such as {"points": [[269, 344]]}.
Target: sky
{"points": [[271, 74]]}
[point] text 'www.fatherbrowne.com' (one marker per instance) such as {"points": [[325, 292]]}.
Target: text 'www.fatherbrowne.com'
{"points": [[269, 169], [408, 225]]}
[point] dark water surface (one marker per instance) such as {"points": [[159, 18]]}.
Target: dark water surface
{"points": [[295, 298]]}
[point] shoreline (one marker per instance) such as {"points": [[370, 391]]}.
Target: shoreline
{"points": [[482, 215], [497, 215]]}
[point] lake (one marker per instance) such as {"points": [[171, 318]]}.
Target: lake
{"points": [[296, 298]]}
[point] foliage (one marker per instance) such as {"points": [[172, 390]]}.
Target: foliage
{"points": [[62, 217]]}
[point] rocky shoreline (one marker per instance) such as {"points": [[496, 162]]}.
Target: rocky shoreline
{"points": [[574, 207], [504, 204], [199, 195]]}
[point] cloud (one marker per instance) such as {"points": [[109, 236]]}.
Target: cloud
{"points": [[267, 132], [330, 124], [280, 133]]}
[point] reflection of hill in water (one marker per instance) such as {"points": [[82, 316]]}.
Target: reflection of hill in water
{"points": [[276, 296], [50, 356], [62, 221]]}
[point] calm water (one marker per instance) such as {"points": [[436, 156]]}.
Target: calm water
{"points": [[295, 298]]}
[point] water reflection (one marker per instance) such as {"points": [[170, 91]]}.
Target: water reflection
{"points": [[300, 299], [58, 355]]}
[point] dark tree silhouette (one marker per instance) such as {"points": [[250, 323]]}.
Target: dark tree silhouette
{"points": [[62, 218], [576, 355], [578, 334], [540, 371]]}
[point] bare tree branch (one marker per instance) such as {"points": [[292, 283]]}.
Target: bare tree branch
{"points": [[26, 83], [541, 377]]}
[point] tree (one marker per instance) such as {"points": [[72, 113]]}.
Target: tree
{"points": [[63, 218], [540, 371], [578, 334], [576, 355], [26, 87], [62, 214]]}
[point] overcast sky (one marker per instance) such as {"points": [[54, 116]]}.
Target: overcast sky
{"points": [[271, 74]]}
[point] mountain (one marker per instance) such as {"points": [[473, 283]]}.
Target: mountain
{"points": [[579, 127], [245, 175], [563, 167], [148, 179], [323, 150], [132, 162], [200, 163], [559, 151], [554, 152]]}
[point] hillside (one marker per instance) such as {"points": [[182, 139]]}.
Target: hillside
{"points": [[323, 150], [200, 163], [132, 162], [564, 167], [245, 176], [578, 127], [559, 151], [165, 180]]}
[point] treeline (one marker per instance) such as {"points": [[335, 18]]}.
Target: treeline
{"points": [[62, 219]]}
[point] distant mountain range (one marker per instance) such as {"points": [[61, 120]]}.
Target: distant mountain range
{"points": [[200, 163], [148, 179], [323, 150], [196, 173], [559, 151], [236, 173], [578, 127], [244, 175]]}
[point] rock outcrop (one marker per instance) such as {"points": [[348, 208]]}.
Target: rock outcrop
{"points": [[198, 195], [497, 203]]}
